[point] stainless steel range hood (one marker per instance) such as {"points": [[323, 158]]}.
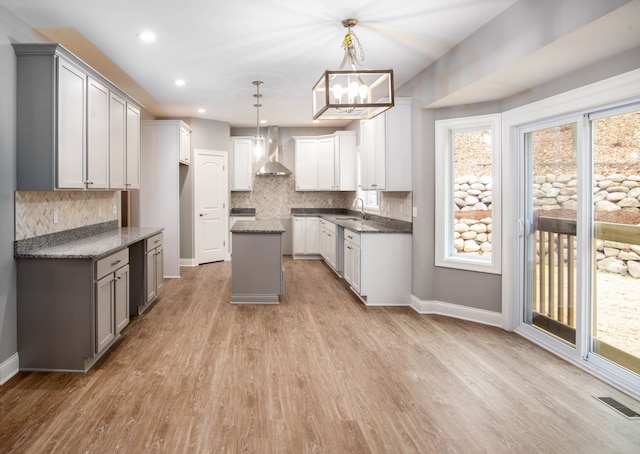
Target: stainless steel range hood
{"points": [[273, 166]]}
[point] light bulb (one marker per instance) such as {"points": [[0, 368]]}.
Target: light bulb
{"points": [[337, 92], [353, 91], [363, 91]]}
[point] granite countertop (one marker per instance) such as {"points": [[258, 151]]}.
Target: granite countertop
{"points": [[90, 247], [258, 226], [353, 221], [238, 212]]}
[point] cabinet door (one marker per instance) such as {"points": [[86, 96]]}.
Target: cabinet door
{"points": [[367, 154], [306, 165], [313, 236], [331, 249], [242, 174], [348, 262], [117, 141], [326, 164], [345, 161], [105, 325], [97, 135], [299, 235], [159, 268], [355, 268], [121, 298], [151, 275], [132, 179], [380, 151], [185, 146], [70, 150]]}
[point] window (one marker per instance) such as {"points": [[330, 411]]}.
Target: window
{"points": [[370, 198], [468, 193]]}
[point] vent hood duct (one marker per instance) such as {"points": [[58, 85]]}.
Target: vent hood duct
{"points": [[273, 166]]}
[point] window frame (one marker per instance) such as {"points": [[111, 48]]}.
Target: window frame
{"points": [[445, 255]]}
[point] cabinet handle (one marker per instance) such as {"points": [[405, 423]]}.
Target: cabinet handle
{"points": [[348, 247], [116, 262], [118, 277], [156, 241], [158, 252], [89, 182], [350, 237]]}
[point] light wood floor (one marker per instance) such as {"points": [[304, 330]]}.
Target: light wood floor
{"points": [[318, 373]]}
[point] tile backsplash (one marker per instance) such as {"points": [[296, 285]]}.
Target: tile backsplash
{"points": [[274, 196], [43, 212]]}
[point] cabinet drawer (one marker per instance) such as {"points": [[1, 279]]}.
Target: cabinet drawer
{"points": [[329, 226], [111, 263], [154, 241], [352, 237]]}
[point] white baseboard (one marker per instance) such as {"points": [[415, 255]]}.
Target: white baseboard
{"points": [[188, 262], [453, 310], [9, 368]]}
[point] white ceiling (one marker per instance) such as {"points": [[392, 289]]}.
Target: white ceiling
{"points": [[219, 47]]}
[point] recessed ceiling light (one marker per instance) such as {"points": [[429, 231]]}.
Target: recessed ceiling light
{"points": [[179, 82], [146, 36], [201, 111]]}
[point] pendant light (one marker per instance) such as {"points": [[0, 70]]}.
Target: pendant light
{"points": [[259, 149], [352, 92]]}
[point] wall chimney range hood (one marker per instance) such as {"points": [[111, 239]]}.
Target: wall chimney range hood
{"points": [[273, 166]]}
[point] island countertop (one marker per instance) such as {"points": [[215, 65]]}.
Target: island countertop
{"points": [[258, 226]]}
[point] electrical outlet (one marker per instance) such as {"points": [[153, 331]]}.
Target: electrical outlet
{"points": [[415, 212], [55, 216], [114, 209], [330, 201], [99, 212]]}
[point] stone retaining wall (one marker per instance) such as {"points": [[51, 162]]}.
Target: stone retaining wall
{"points": [[614, 192]]}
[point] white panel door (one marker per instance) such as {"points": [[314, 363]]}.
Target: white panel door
{"points": [[212, 212]]}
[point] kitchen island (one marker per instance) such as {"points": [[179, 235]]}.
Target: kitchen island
{"points": [[256, 265]]}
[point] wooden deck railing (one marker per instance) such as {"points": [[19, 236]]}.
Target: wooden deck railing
{"points": [[554, 273]]}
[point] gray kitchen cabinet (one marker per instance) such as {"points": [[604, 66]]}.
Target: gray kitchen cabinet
{"points": [[232, 220], [97, 135], [242, 174], [154, 268], [385, 149], [112, 298], [63, 122]]}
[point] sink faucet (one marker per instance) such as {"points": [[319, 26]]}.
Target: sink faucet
{"points": [[355, 205]]}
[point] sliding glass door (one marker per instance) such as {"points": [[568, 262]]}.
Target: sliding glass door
{"points": [[581, 230]]}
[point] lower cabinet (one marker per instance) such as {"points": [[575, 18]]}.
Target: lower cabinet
{"points": [[351, 272], [306, 237], [112, 298], [377, 266], [329, 240], [154, 268]]}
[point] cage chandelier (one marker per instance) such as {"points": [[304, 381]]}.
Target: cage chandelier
{"points": [[352, 92]]}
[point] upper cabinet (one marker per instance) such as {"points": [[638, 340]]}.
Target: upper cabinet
{"points": [[70, 131], [326, 163], [385, 149], [242, 178], [185, 144]]}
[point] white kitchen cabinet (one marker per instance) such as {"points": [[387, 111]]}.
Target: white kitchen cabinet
{"points": [[242, 176], [154, 268], [385, 147], [326, 163], [377, 266], [351, 271], [97, 135], [112, 298], [185, 144], [306, 165], [159, 195], [330, 237], [306, 237], [63, 120]]}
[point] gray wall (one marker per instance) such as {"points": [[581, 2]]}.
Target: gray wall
{"points": [[207, 135], [501, 42], [11, 30]]}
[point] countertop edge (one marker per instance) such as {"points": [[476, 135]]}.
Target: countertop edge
{"points": [[89, 247]]}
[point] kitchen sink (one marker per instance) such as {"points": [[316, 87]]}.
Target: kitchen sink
{"points": [[348, 218]]}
